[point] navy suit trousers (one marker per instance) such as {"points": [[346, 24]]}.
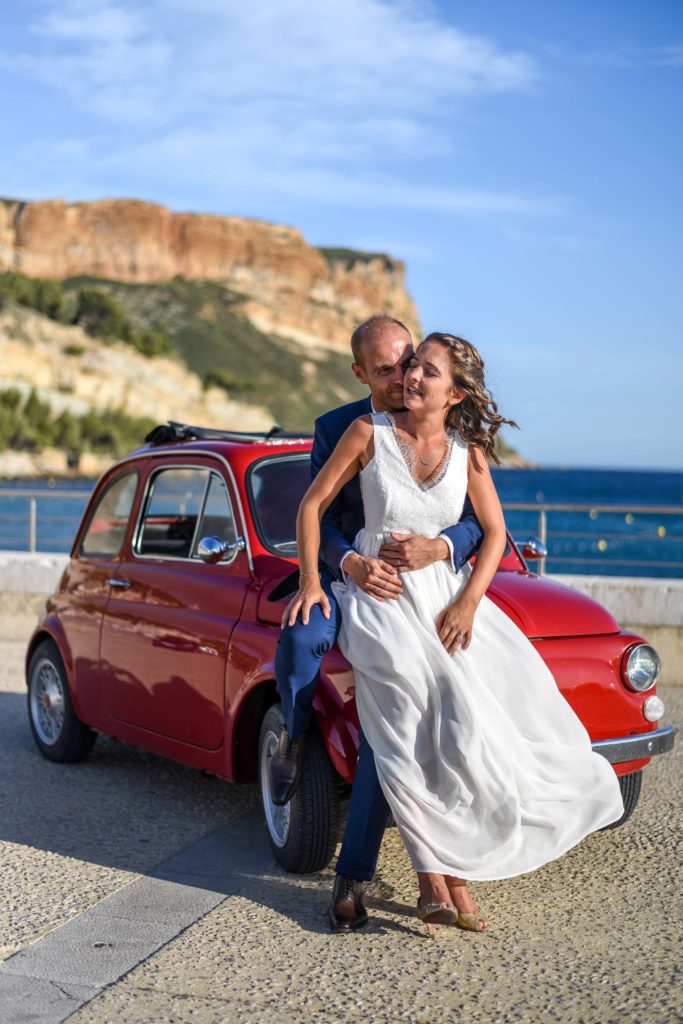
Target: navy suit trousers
{"points": [[297, 670]]}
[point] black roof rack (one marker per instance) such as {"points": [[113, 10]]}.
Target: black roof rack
{"points": [[172, 433]]}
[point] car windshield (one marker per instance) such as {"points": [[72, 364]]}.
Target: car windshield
{"points": [[276, 487]]}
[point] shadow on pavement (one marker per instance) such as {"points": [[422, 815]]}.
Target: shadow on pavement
{"points": [[126, 809]]}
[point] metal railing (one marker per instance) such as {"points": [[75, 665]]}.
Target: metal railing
{"points": [[601, 539], [20, 528], [30, 526]]}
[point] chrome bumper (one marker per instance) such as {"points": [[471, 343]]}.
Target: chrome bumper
{"points": [[633, 748]]}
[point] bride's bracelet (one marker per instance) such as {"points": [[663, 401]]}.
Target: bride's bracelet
{"points": [[310, 574]]}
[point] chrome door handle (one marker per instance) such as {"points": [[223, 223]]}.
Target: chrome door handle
{"points": [[113, 582]]}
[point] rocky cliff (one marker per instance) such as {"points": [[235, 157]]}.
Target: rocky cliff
{"points": [[69, 370], [286, 286]]}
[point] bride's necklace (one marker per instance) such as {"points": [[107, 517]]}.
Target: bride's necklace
{"points": [[427, 461]]}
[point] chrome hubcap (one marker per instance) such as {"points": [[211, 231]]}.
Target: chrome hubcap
{"points": [[277, 818], [47, 701]]}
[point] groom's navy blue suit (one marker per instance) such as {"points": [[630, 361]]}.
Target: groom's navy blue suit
{"points": [[301, 648]]}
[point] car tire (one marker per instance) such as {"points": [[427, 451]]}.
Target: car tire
{"points": [[57, 730], [630, 791], [303, 833]]}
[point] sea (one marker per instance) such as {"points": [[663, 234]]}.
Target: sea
{"points": [[642, 536]]}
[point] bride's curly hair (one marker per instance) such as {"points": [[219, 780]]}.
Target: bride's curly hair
{"points": [[476, 418]]}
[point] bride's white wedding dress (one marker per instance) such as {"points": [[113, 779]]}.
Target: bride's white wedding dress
{"points": [[486, 768]]}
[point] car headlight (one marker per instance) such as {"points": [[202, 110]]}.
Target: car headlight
{"points": [[640, 667]]}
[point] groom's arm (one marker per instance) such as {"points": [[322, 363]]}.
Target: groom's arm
{"points": [[456, 545], [464, 539]]}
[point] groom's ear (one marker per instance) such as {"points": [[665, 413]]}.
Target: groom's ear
{"points": [[359, 373]]}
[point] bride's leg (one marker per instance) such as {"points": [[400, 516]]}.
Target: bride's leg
{"points": [[460, 896], [433, 888]]}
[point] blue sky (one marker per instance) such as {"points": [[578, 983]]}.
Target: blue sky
{"points": [[524, 159]]}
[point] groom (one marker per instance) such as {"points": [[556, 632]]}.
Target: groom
{"points": [[382, 348]]}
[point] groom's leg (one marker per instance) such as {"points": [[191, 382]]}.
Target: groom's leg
{"points": [[299, 653], [297, 670], [368, 817]]}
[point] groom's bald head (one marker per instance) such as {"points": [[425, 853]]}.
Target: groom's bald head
{"points": [[382, 347], [376, 327]]}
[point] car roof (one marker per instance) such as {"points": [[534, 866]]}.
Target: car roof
{"points": [[172, 438]]}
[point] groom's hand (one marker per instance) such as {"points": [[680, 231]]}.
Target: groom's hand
{"points": [[410, 551], [373, 575]]}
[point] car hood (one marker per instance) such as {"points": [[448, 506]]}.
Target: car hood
{"points": [[544, 608], [539, 606]]}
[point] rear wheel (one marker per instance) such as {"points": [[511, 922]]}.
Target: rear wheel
{"points": [[630, 791], [303, 834], [58, 731]]}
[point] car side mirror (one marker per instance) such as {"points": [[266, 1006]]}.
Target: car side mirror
{"points": [[533, 548], [212, 549]]}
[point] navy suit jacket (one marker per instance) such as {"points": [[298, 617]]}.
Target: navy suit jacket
{"points": [[344, 516]]}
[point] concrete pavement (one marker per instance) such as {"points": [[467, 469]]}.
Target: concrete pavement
{"points": [[135, 890]]}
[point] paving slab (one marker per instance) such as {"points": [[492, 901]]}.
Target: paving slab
{"points": [[25, 1000], [69, 966]]}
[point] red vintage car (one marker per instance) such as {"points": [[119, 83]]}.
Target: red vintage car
{"points": [[162, 633]]}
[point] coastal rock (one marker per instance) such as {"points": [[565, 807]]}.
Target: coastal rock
{"points": [[289, 288], [71, 370]]}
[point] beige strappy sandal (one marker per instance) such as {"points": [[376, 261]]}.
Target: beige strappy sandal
{"points": [[472, 922], [432, 914]]}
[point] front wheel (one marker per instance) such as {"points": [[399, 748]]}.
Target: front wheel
{"points": [[630, 791], [58, 731], [303, 833]]}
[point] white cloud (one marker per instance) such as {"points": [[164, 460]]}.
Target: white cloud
{"points": [[343, 102], [356, 56]]}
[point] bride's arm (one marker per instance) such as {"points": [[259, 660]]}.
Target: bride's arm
{"points": [[342, 465], [454, 625]]}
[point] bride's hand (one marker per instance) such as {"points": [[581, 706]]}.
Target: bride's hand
{"points": [[454, 625], [306, 598]]}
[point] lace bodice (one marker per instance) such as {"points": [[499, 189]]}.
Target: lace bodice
{"points": [[394, 501]]}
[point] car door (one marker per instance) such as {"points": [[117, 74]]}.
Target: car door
{"points": [[167, 626], [84, 591]]}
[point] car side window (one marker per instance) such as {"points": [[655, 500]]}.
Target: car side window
{"points": [[109, 519], [169, 520], [217, 519]]}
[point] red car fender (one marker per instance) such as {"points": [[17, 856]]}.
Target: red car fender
{"points": [[337, 721], [50, 628]]}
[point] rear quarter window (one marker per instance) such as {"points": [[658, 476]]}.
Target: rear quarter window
{"points": [[276, 486], [108, 520]]}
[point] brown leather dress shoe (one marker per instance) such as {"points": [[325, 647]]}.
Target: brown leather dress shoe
{"points": [[347, 910], [285, 768]]}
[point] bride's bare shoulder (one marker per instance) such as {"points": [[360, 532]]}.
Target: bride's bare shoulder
{"points": [[358, 432], [362, 426]]}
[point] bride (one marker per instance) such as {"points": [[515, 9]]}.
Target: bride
{"points": [[487, 770]]}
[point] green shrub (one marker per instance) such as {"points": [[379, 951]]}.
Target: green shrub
{"points": [[31, 425], [228, 381], [100, 315], [152, 343], [92, 308], [10, 399], [47, 297], [67, 432], [349, 257]]}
